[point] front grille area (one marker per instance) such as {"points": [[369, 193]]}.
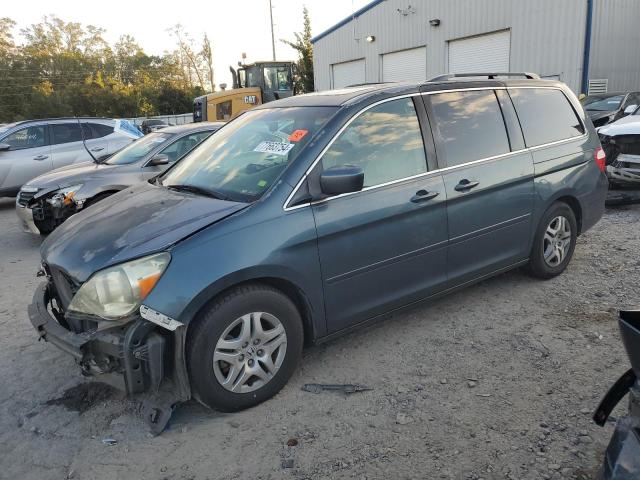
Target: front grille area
{"points": [[25, 197], [64, 286]]}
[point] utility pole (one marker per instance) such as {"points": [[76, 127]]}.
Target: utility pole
{"points": [[273, 40]]}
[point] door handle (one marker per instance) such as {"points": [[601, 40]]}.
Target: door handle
{"points": [[465, 185], [97, 149], [39, 158], [423, 196]]}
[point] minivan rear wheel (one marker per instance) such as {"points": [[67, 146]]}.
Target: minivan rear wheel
{"points": [[554, 242], [244, 347]]}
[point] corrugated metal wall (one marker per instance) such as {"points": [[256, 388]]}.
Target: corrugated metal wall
{"points": [[615, 44], [547, 36]]}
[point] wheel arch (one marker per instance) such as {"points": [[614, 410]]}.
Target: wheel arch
{"points": [[574, 205], [285, 285]]}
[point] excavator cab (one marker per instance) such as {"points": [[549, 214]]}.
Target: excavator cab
{"points": [[253, 84]]}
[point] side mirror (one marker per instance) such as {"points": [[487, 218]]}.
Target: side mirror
{"points": [[342, 179], [4, 147], [630, 109], [158, 159]]}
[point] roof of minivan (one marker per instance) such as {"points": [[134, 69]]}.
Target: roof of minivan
{"points": [[357, 93]]}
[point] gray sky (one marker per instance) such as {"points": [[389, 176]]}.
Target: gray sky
{"points": [[234, 26]]}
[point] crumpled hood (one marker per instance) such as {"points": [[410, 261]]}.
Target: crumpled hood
{"points": [[69, 175], [135, 222], [629, 125]]}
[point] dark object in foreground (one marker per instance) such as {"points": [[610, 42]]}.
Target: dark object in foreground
{"points": [[347, 388], [622, 458]]}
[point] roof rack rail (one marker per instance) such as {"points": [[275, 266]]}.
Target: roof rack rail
{"points": [[491, 75]]}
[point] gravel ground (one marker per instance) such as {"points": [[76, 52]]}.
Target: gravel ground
{"points": [[496, 381]]}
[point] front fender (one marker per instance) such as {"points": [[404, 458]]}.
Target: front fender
{"points": [[281, 248]]}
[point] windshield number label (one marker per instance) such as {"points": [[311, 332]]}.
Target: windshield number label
{"points": [[275, 148]]}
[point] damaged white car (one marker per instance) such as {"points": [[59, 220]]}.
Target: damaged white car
{"points": [[621, 143]]}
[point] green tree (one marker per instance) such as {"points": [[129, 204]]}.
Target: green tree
{"points": [[65, 68], [304, 47]]}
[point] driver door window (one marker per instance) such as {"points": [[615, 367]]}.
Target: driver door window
{"points": [[30, 137], [385, 141]]}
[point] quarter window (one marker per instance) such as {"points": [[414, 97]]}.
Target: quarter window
{"points": [[66, 133], [385, 141], [470, 125], [545, 115], [29, 137]]}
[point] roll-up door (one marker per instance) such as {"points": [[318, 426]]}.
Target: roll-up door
{"points": [[348, 73], [405, 65], [483, 53]]}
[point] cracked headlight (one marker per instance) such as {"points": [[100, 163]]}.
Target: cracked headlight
{"points": [[118, 291], [64, 196]]}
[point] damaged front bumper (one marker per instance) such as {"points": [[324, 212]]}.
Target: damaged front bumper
{"points": [[139, 357], [625, 170], [25, 215]]}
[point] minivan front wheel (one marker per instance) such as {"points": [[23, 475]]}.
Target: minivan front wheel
{"points": [[244, 348], [554, 242]]}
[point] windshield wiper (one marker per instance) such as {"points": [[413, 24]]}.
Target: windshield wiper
{"points": [[200, 191]]}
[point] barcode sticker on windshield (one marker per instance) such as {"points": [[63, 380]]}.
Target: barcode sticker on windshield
{"points": [[276, 148]]}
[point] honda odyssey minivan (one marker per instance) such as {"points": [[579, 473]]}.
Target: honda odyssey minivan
{"points": [[309, 216]]}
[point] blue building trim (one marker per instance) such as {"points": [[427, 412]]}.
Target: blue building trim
{"points": [[355, 15], [587, 48]]}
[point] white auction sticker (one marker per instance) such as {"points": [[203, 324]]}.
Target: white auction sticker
{"points": [[276, 148]]}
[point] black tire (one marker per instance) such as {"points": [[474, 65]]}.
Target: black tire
{"points": [[538, 267], [212, 323]]}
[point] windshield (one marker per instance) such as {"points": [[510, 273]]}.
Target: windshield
{"points": [[139, 149], [245, 158], [603, 104]]}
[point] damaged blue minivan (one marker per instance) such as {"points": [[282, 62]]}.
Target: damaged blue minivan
{"points": [[309, 216]]}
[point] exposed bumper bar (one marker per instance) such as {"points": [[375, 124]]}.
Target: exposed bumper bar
{"points": [[50, 330]]}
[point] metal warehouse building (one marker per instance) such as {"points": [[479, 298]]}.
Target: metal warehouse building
{"points": [[592, 45]]}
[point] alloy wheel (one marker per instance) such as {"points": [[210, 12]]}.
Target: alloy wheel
{"points": [[249, 352], [557, 241]]}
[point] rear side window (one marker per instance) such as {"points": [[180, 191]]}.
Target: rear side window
{"points": [[470, 125], [29, 137], [385, 141], [92, 130], [545, 115], [66, 133]]}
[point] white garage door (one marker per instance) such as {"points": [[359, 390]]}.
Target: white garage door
{"points": [[348, 73], [484, 53], [405, 65]]}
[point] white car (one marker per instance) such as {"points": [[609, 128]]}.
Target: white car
{"points": [[33, 147], [621, 143]]}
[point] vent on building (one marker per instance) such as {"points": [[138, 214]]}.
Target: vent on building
{"points": [[598, 86]]}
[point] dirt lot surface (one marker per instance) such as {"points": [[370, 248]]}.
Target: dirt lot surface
{"points": [[496, 381]]}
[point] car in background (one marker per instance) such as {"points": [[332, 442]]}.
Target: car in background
{"points": [[621, 143], [48, 200], [151, 124], [604, 108], [306, 217], [33, 147]]}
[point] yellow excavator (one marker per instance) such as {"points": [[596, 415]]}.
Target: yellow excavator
{"points": [[253, 84]]}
